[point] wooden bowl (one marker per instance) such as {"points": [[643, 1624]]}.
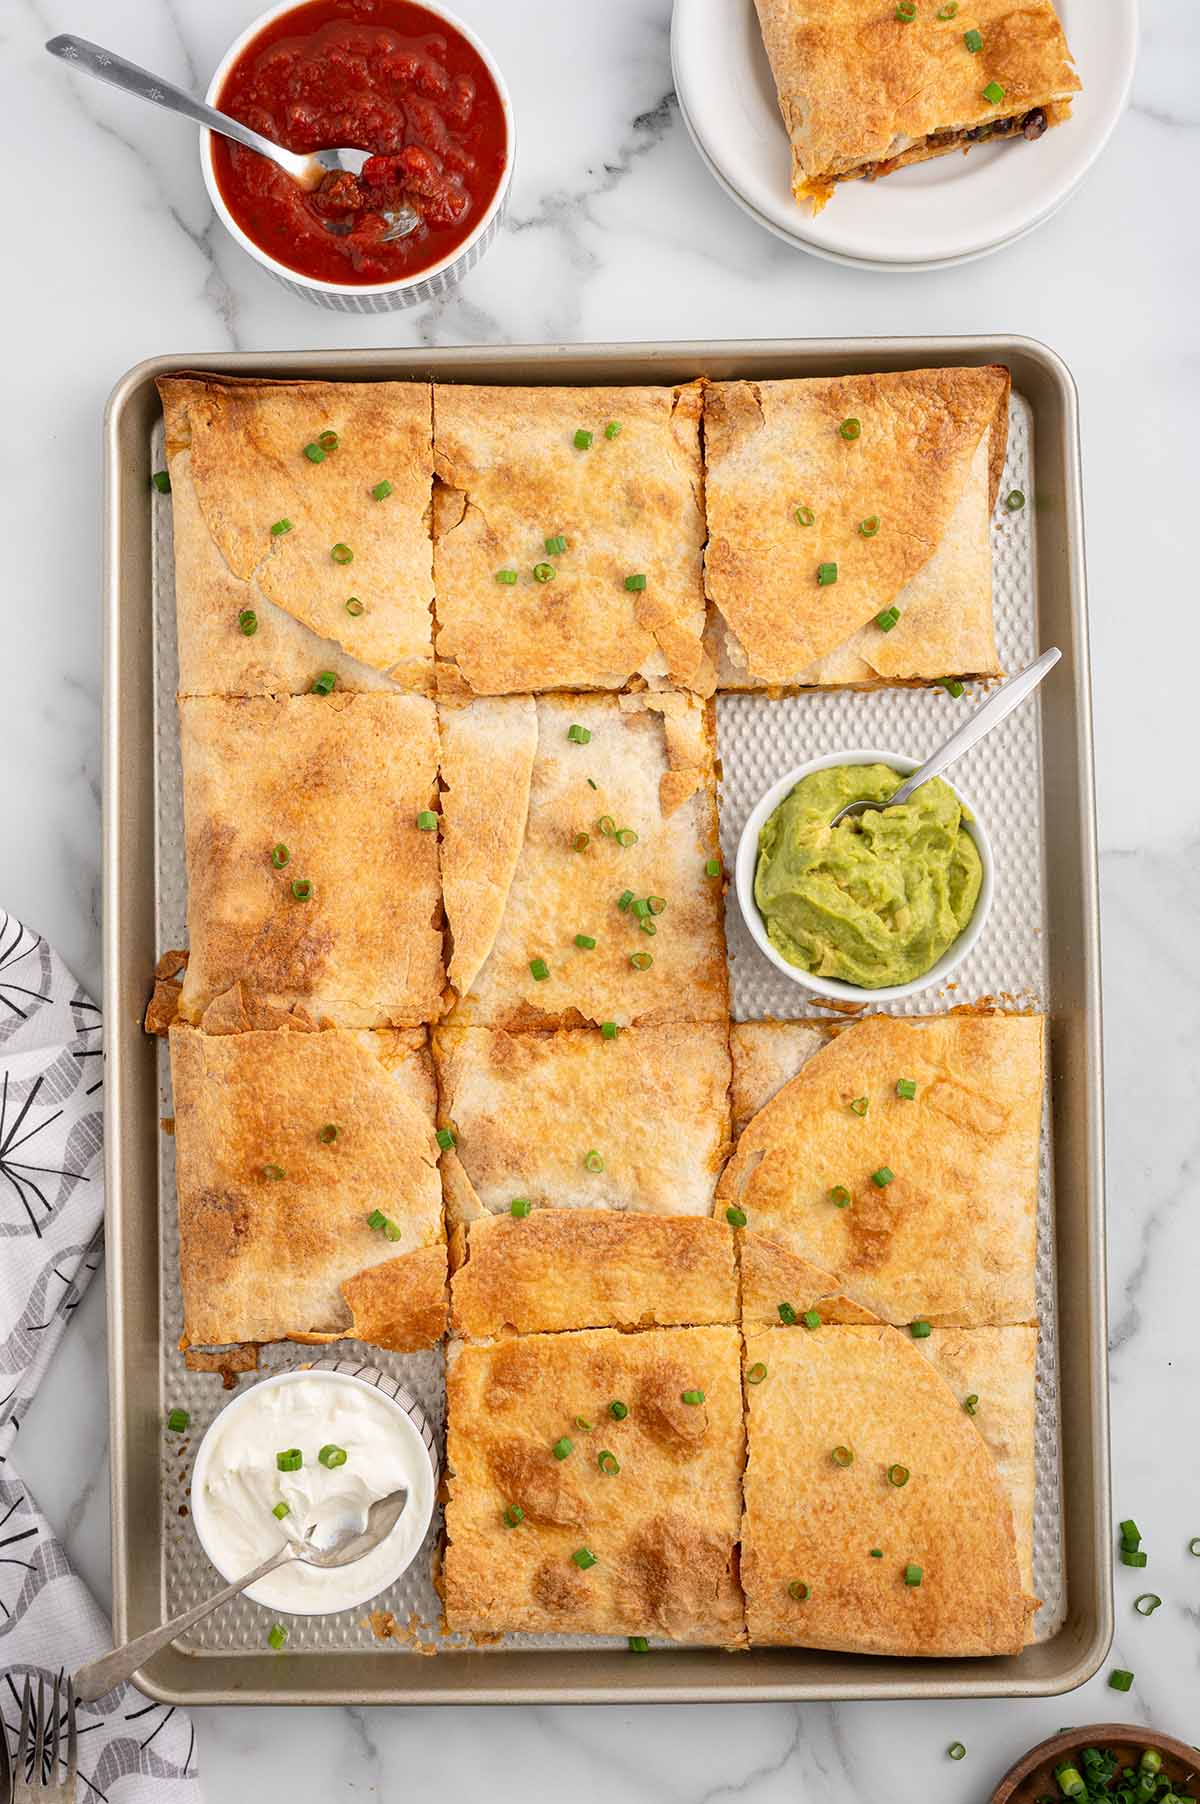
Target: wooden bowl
{"points": [[1033, 1775]]}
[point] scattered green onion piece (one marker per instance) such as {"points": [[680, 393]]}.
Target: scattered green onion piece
{"points": [[280, 856], [177, 1420], [898, 1476], [513, 1516], [906, 11], [692, 1397], [956, 1750], [612, 429], [805, 516], [869, 527], [608, 1030], [949, 11], [608, 1463], [326, 683], [973, 40], [787, 1314], [656, 904], [328, 440], [592, 783], [1194, 1546], [826, 574], [391, 1231], [1130, 1556], [606, 825], [585, 1427], [562, 1448], [626, 900], [593, 1161], [843, 1457], [811, 1318], [274, 1172], [555, 545], [341, 554], [427, 821], [314, 454], [377, 1219], [328, 1134], [913, 1575], [382, 490], [887, 620], [581, 842], [735, 1217], [445, 1139], [354, 606], [971, 1404], [877, 1553], [640, 907], [539, 970], [712, 868], [583, 1556], [952, 686], [798, 1590], [277, 1637], [637, 1643], [994, 92], [248, 622], [1119, 1679], [641, 961], [839, 1196], [578, 735], [161, 481], [1014, 501], [851, 428], [543, 573], [1147, 1603], [618, 1411], [647, 926], [635, 582], [1131, 1534], [280, 527], [756, 1373], [585, 942], [583, 439], [859, 1106], [906, 1088], [520, 1207], [920, 1329], [290, 1460], [281, 1510], [508, 577], [883, 1177]]}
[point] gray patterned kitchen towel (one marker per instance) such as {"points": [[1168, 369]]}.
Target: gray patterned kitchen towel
{"points": [[51, 1226]]}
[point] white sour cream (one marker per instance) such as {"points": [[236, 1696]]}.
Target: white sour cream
{"points": [[236, 1484]]}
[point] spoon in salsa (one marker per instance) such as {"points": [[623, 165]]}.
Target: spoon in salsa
{"points": [[1010, 695], [308, 171]]}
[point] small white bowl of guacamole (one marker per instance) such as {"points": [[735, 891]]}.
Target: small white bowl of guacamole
{"points": [[878, 907]]}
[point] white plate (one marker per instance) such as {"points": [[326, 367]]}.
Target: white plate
{"points": [[949, 209]]}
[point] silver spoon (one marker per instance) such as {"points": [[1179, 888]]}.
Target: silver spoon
{"points": [[93, 1681], [309, 171], [1010, 695]]}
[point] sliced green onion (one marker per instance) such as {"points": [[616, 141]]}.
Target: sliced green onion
{"points": [[608, 1463], [427, 821], [656, 904], [994, 92], [277, 1637], [1014, 501], [608, 1030], [626, 900], [562, 1448], [787, 1314], [382, 490], [177, 1420], [585, 942], [280, 856], [592, 783], [391, 1231], [1119, 1679], [956, 1750], [281, 1510], [612, 429], [949, 11], [869, 527], [508, 577], [851, 428], [445, 1139], [555, 545], [328, 440], [314, 454], [290, 1460], [641, 961], [543, 573], [883, 1177], [274, 1172], [1194, 1546], [341, 554], [906, 1088], [583, 1556], [280, 527], [582, 1423], [637, 1643], [248, 622], [842, 1456], [952, 686], [354, 606], [973, 40], [826, 574], [1131, 1534], [805, 516], [971, 1404], [539, 970], [811, 1318], [1130, 1556], [618, 1411], [1147, 1603], [877, 1553], [581, 842], [578, 735], [641, 907], [513, 1516], [887, 620], [377, 1219], [692, 1397], [798, 1590], [898, 1476], [1150, 1762], [520, 1207], [859, 1106], [920, 1329], [1071, 1782], [735, 1217], [756, 1373], [647, 926], [161, 481], [913, 1575], [712, 868], [906, 12], [328, 1134], [635, 582], [606, 825], [326, 683], [583, 439], [839, 1196], [593, 1161]]}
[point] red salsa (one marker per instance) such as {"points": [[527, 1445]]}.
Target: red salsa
{"points": [[379, 75]]}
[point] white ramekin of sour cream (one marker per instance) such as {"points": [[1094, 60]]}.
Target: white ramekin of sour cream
{"points": [[237, 1482]]}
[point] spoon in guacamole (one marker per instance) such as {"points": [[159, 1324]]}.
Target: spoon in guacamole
{"points": [[998, 707]]}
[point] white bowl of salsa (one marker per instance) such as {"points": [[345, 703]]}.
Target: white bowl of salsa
{"points": [[410, 83]]}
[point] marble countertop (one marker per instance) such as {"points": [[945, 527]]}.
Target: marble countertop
{"points": [[616, 231]]}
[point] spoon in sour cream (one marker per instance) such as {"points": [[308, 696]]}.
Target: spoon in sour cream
{"points": [[340, 1547]]}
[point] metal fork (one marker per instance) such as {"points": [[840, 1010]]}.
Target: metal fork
{"points": [[33, 1745]]}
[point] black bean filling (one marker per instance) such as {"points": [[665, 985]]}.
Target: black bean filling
{"points": [[1031, 125]]}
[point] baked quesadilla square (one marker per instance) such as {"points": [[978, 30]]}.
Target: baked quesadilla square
{"points": [[309, 878], [307, 505], [568, 530], [288, 1146], [595, 1484]]}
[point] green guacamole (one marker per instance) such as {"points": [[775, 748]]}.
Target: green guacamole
{"points": [[873, 901]]}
